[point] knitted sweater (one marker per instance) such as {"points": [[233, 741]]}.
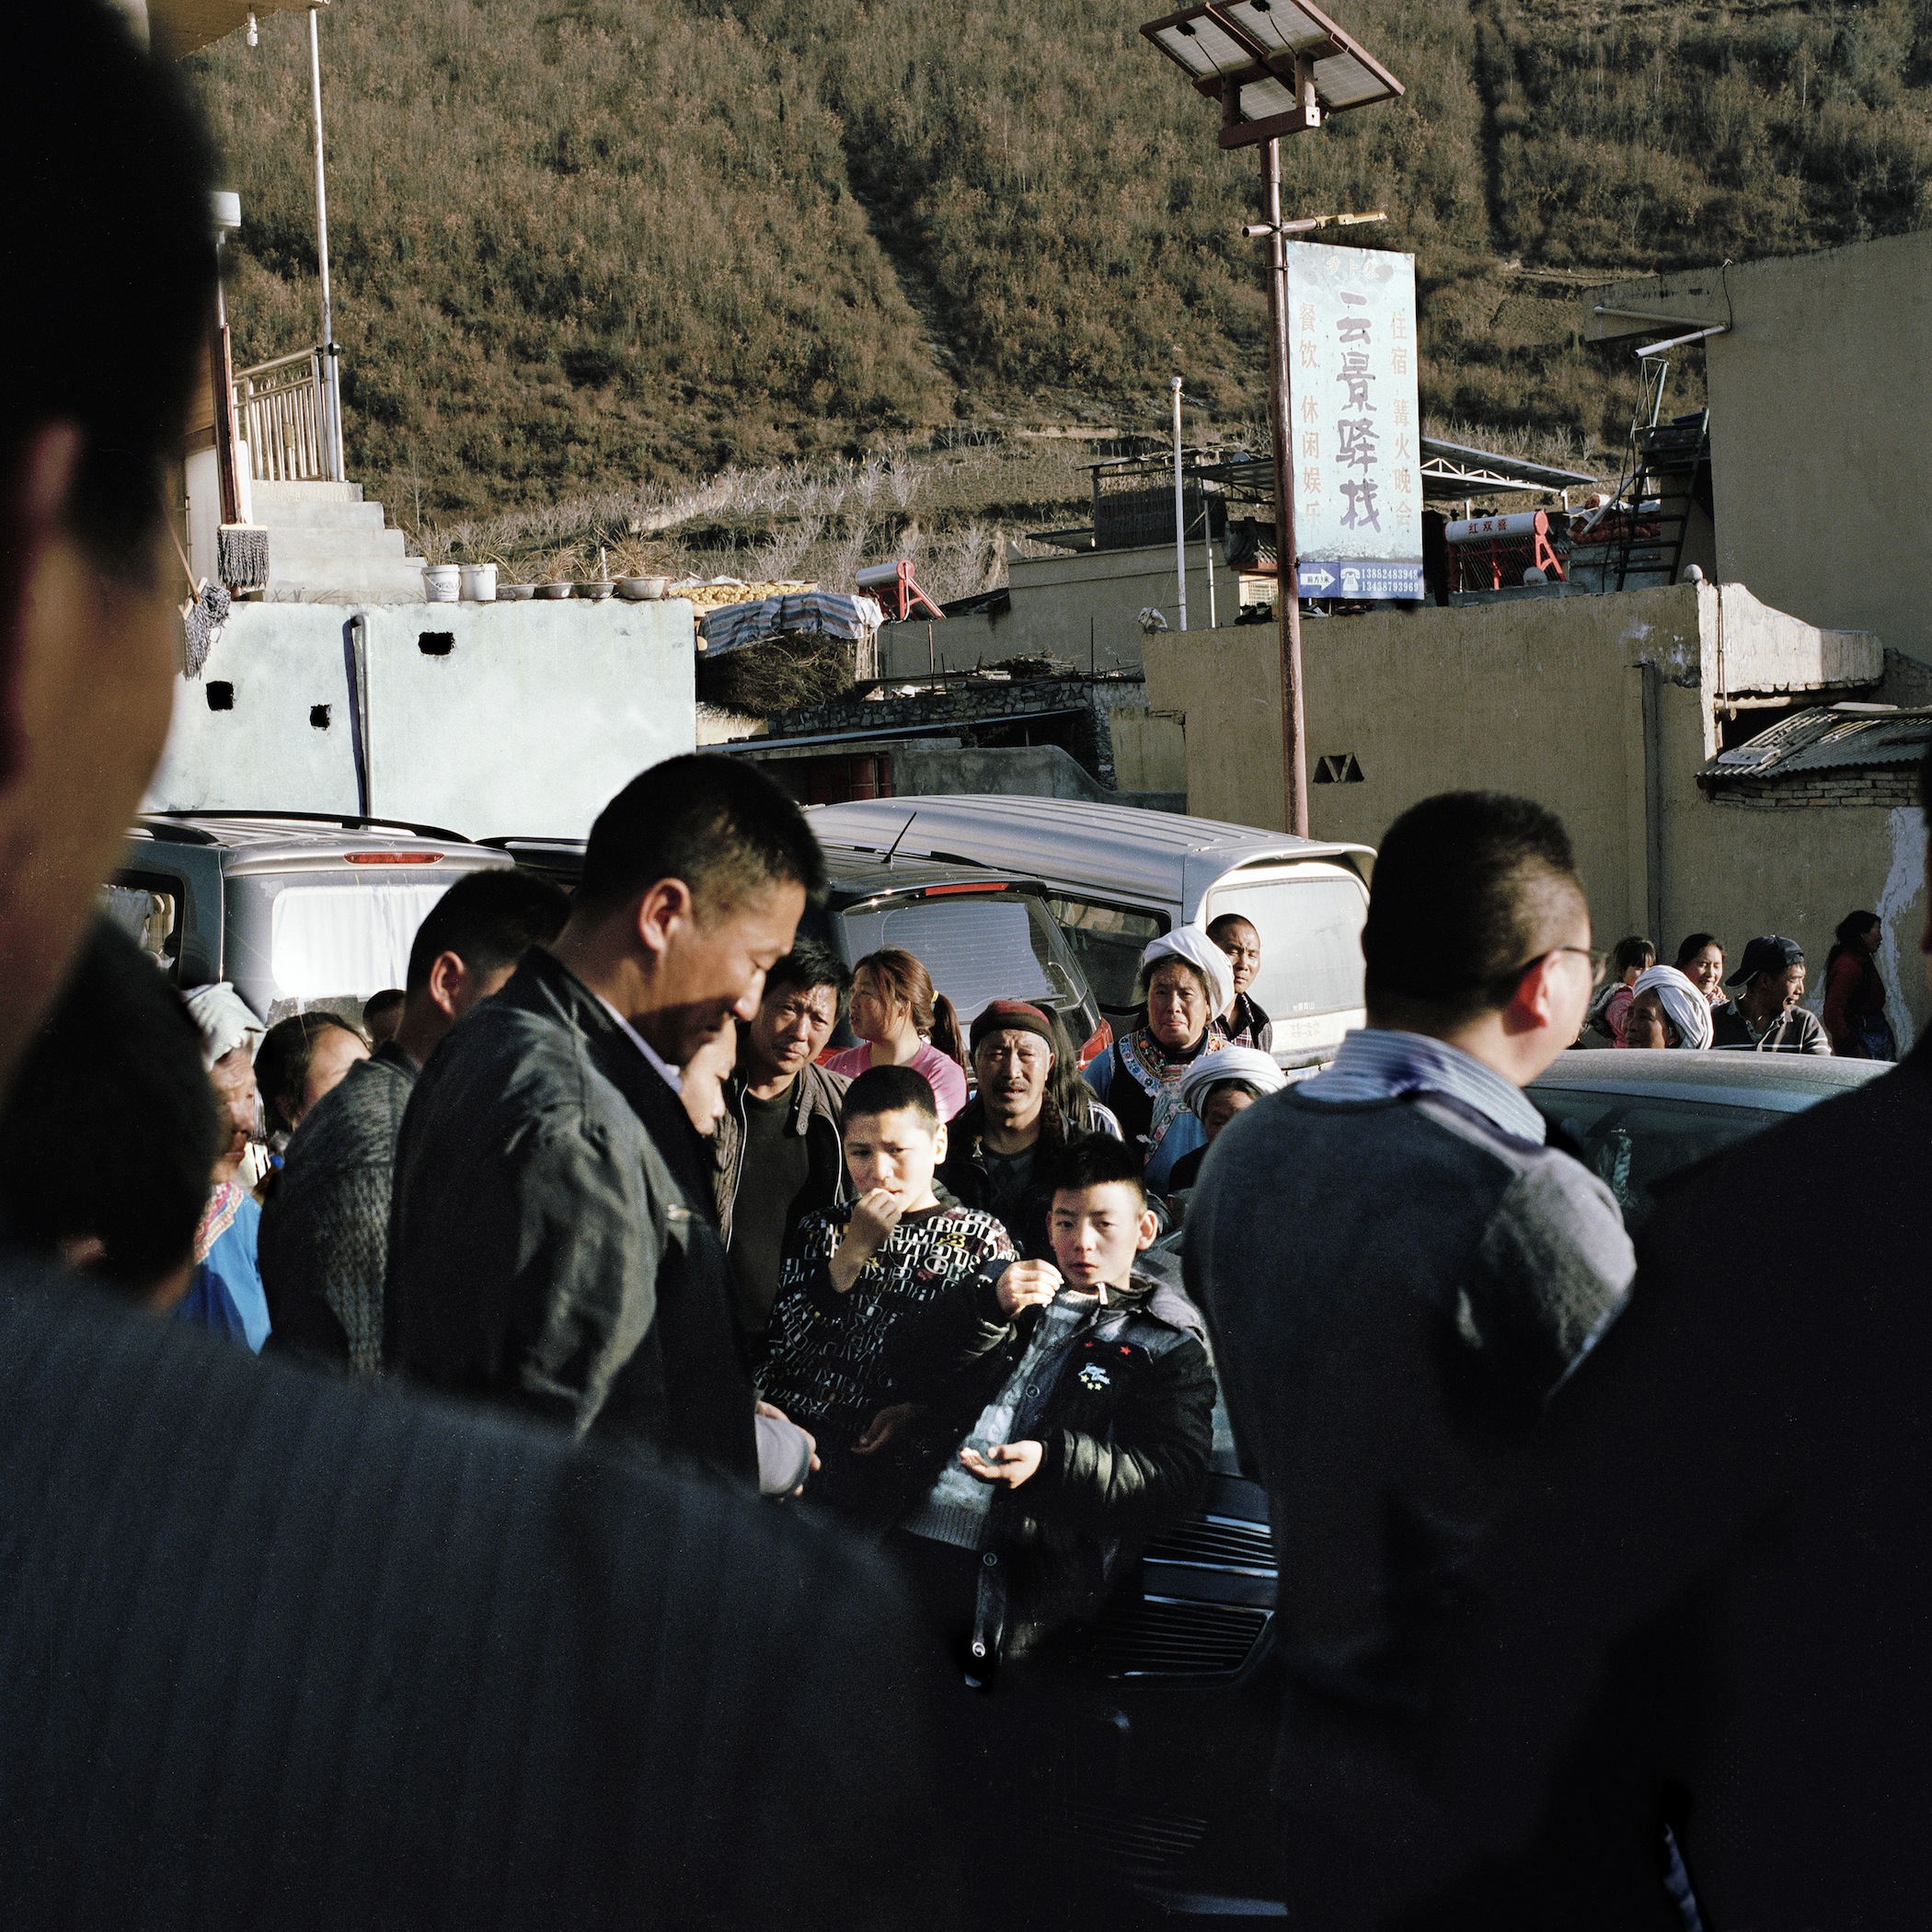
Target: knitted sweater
{"points": [[1396, 1288], [827, 1370], [325, 1232]]}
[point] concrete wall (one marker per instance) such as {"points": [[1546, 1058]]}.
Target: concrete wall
{"points": [[532, 718], [1600, 707], [1820, 411], [1067, 606]]}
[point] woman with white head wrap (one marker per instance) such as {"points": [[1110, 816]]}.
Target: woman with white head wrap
{"points": [[1215, 1089], [1187, 983], [1666, 1010]]}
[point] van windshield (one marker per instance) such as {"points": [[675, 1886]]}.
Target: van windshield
{"points": [[978, 948], [1311, 940]]}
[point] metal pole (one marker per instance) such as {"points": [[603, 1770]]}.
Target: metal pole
{"points": [[332, 402], [1207, 552], [1181, 513], [1287, 599]]}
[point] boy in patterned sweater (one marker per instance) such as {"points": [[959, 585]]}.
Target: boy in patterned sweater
{"points": [[852, 1271]]}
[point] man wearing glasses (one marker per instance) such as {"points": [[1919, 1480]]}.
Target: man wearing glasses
{"points": [[1400, 1275]]}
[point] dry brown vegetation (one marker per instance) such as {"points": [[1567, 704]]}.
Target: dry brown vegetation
{"points": [[590, 251]]}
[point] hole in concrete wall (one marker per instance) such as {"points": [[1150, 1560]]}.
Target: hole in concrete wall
{"points": [[221, 695], [1337, 768], [318, 717], [436, 643]]}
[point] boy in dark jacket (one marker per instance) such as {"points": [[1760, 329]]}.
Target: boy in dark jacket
{"points": [[1066, 1414]]}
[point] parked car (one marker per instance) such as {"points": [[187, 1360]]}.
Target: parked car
{"points": [[299, 912], [983, 935], [1168, 1707], [1118, 877]]}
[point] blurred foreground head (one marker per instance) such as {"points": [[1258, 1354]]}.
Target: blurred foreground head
{"points": [[107, 268]]}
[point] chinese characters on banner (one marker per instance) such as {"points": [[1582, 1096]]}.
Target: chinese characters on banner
{"points": [[1354, 441]]}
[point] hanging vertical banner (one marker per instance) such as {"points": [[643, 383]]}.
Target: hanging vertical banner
{"points": [[1358, 478]]}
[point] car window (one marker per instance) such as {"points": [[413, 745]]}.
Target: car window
{"points": [[1108, 940], [1632, 1144], [1311, 941], [147, 907], [334, 942], [977, 948]]}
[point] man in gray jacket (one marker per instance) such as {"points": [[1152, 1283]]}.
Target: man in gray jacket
{"points": [[324, 1231], [1400, 1273], [554, 1244]]}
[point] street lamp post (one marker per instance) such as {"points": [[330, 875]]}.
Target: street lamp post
{"points": [[331, 383], [1276, 67]]}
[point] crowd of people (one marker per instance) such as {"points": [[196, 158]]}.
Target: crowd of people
{"points": [[606, 1438], [1695, 1006]]}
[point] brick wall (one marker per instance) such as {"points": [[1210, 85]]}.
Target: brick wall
{"points": [[1886, 786]]}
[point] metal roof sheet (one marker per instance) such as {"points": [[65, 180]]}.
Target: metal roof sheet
{"points": [[1829, 738]]}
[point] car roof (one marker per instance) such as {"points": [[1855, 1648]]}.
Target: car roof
{"points": [[1162, 856], [1781, 1083], [859, 874], [260, 842]]}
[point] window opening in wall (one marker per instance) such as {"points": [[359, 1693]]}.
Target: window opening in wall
{"points": [[436, 643], [318, 717], [221, 695], [1337, 768]]}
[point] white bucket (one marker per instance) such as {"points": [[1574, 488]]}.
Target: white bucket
{"points": [[479, 583], [440, 582]]}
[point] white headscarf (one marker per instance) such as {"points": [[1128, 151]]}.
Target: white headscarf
{"points": [[1684, 1006], [224, 1021], [1193, 948], [1246, 1066]]}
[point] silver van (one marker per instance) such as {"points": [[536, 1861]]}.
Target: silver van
{"points": [[299, 912], [1117, 877]]}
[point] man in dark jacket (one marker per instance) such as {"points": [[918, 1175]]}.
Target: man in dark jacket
{"points": [[1063, 1414], [777, 1150], [277, 1651], [1002, 1147], [554, 1244], [1398, 1272], [324, 1232], [1712, 1608]]}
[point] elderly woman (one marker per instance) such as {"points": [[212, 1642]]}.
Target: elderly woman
{"points": [[1666, 1010], [1187, 984], [1215, 1089]]}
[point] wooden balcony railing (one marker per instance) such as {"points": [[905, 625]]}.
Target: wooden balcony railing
{"points": [[283, 411]]}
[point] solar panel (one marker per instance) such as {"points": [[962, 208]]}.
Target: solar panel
{"points": [[1276, 66]]}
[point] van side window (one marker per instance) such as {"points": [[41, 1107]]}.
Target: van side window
{"points": [[1108, 940], [147, 907]]}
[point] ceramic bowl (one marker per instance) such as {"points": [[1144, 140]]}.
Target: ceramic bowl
{"points": [[596, 593], [553, 590], [642, 590], [515, 593]]}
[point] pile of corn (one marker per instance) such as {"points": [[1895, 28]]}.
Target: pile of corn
{"points": [[721, 596]]}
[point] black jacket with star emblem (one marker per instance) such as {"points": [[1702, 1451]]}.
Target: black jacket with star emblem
{"points": [[1124, 1409]]}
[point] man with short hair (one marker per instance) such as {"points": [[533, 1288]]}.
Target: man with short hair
{"points": [[277, 1651], [1709, 1607], [554, 1244], [1399, 1272], [325, 1232], [777, 1150], [1005, 1138], [1765, 1016]]}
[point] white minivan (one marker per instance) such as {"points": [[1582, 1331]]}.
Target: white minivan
{"points": [[1118, 877]]}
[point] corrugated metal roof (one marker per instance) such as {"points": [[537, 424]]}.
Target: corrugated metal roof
{"points": [[1834, 738]]}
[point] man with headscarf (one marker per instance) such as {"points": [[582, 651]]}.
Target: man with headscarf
{"points": [[1186, 984], [1765, 1016], [1215, 1089], [1665, 1010]]}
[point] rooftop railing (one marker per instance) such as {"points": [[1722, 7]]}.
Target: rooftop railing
{"points": [[284, 410]]}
